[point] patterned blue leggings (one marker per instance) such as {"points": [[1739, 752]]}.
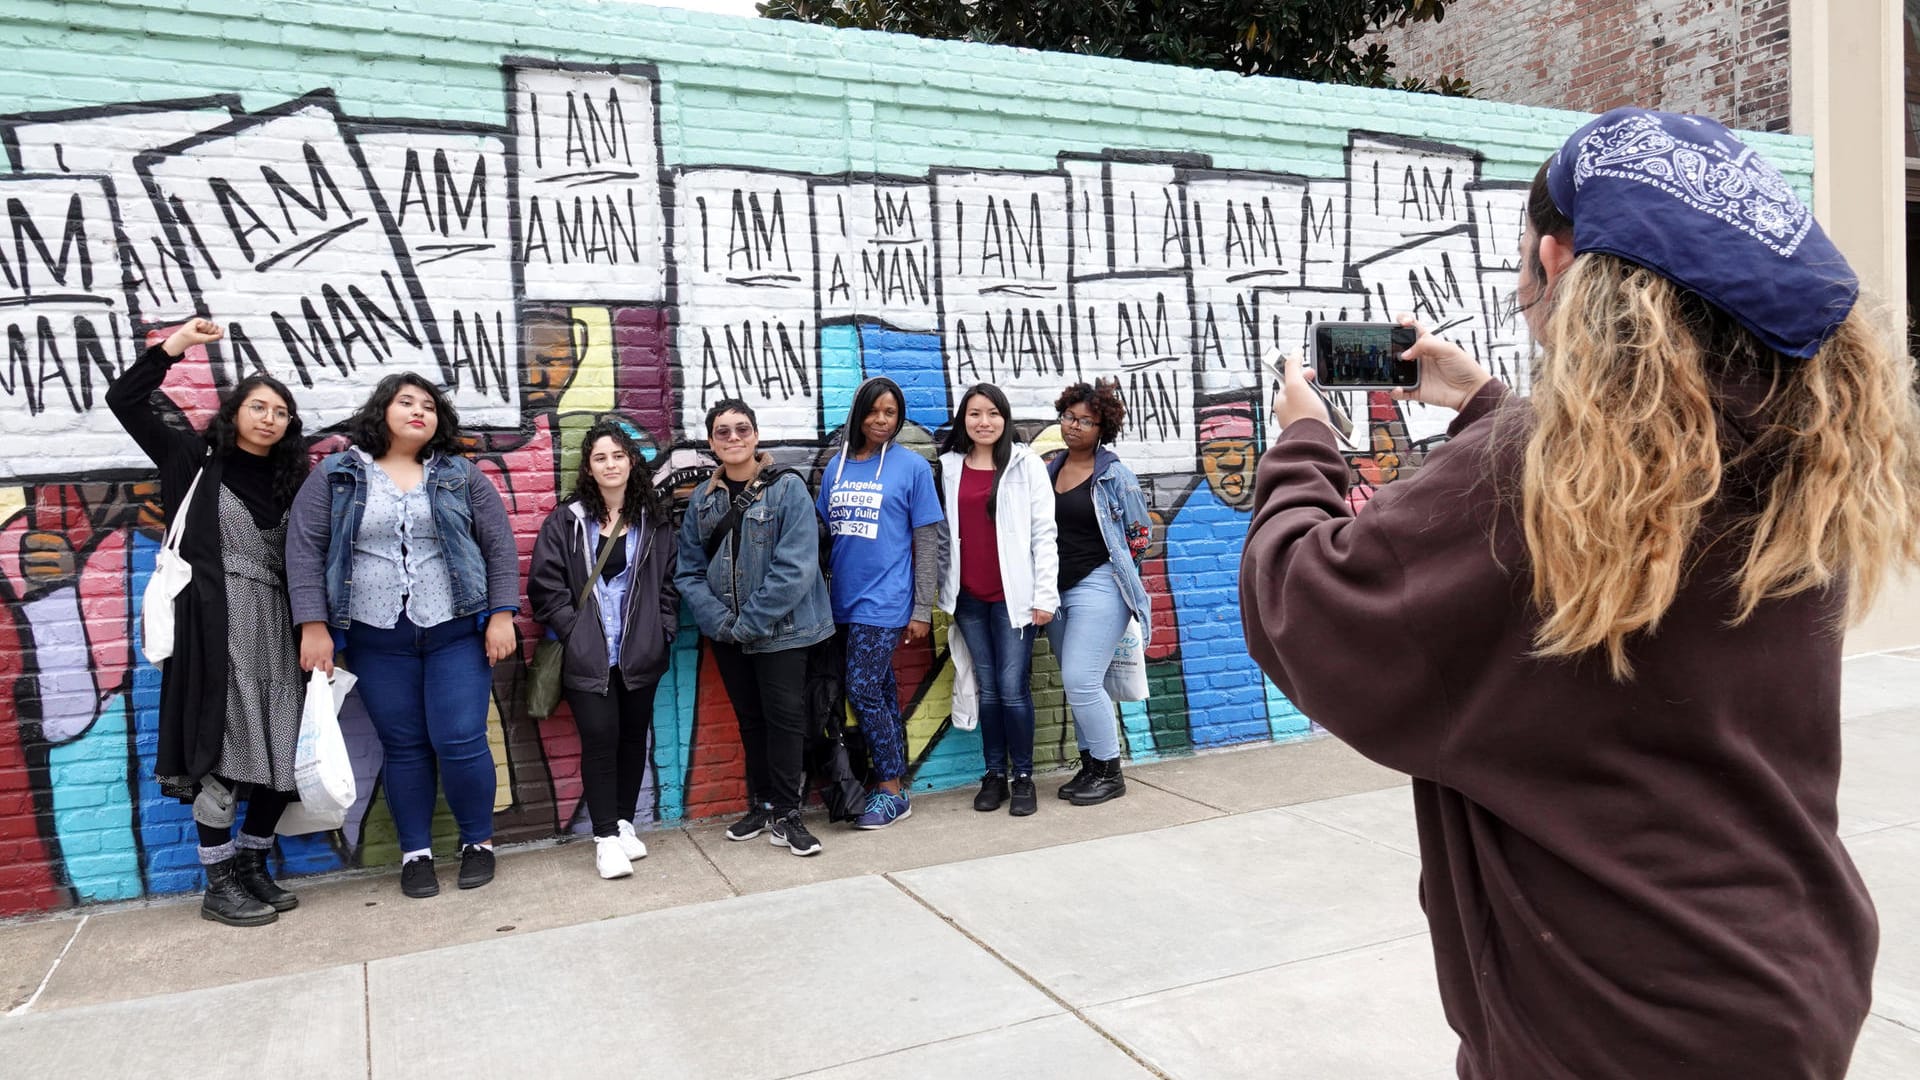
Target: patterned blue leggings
{"points": [[875, 696]]}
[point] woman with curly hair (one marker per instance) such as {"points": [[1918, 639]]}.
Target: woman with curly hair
{"points": [[231, 694], [1103, 531], [617, 643], [400, 551], [1603, 625]]}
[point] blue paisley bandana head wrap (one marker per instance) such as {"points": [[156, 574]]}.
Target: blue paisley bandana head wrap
{"points": [[1682, 197]]}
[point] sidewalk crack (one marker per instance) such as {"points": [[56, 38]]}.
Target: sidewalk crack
{"points": [[1065, 1005], [1136, 778], [24, 1007], [699, 847]]}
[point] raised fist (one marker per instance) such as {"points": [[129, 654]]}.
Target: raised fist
{"points": [[192, 332]]}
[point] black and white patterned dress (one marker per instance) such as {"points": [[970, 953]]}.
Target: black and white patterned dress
{"points": [[265, 688]]}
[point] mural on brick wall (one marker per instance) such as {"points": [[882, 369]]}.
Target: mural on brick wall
{"points": [[549, 270]]}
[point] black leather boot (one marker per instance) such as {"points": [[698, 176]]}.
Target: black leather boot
{"points": [[228, 902], [250, 867], [1080, 778], [993, 792], [1103, 785]]}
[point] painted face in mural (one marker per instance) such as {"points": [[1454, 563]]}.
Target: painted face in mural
{"points": [[411, 419], [734, 440], [610, 467], [261, 422], [983, 420], [1228, 464], [882, 420]]}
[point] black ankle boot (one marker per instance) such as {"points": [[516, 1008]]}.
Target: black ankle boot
{"points": [[993, 792], [1080, 778], [1103, 785], [228, 902], [250, 868]]}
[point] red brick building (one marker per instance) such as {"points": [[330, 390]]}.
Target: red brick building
{"points": [[1728, 59]]}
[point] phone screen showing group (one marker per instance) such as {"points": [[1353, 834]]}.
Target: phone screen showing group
{"points": [[1363, 356]]}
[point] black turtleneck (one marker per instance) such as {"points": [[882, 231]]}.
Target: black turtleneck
{"points": [[250, 476]]}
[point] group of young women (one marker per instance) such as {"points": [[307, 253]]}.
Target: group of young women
{"points": [[397, 552]]}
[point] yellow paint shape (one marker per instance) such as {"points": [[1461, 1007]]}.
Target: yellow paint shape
{"points": [[497, 742], [931, 713], [12, 501], [591, 390]]}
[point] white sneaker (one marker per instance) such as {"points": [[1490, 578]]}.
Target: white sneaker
{"points": [[609, 859], [635, 848]]}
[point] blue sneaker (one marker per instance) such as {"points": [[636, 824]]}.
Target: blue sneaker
{"points": [[883, 809]]}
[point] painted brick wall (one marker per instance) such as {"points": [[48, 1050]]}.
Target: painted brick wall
{"points": [[1728, 59], [584, 208]]}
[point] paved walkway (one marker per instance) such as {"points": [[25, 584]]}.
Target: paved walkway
{"points": [[1240, 914]]}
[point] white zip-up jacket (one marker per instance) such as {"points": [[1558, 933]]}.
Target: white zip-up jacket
{"points": [[1024, 528]]}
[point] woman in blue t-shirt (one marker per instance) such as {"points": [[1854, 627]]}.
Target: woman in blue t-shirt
{"points": [[888, 543]]}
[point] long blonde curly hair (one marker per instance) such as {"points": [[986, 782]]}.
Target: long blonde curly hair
{"points": [[1626, 455]]}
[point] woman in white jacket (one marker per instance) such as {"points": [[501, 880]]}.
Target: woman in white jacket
{"points": [[1002, 583]]}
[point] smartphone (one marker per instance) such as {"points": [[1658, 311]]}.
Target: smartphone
{"points": [[1276, 363], [1364, 356]]}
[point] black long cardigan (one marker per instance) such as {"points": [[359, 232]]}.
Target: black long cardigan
{"points": [[193, 683]]}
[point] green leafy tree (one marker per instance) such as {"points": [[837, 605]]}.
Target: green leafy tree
{"points": [[1297, 39]]}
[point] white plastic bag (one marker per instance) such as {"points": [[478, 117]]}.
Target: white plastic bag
{"points": [[170, 575], [321, 769], [965, 711], [1127, 674], [297, 820]]}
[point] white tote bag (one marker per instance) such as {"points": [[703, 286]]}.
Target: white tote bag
{"points": [[321, 769], [1127, 674], [965, 710], [170, 575]]}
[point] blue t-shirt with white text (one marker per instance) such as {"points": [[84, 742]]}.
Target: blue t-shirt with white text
{"points": [[871, 508]]}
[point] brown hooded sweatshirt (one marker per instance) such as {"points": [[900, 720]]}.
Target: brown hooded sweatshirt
{"points": [[1637, 880]]}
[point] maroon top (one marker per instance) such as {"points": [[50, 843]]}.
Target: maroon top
{"points": [[1636, 880], [979, 543]]}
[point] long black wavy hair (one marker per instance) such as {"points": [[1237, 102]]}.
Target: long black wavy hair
{"points": [[642, 497], [288, 457], [959, 442], [368, 426]]}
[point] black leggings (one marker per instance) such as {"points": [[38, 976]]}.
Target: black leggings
{"points": [[264, 807], [613, 749]]}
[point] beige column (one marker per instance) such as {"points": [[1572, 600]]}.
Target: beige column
{"points": [[1848, 95]]}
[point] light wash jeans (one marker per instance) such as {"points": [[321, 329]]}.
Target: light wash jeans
{"points": [[1093, 616]]}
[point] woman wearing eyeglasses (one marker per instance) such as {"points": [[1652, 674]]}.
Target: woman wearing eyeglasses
{"points": [[231, 694], [400, 550], [1103, 525]]}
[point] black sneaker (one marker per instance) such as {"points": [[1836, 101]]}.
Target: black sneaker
{"points": [[750, 826], [476, 866], [1024, 801], [789, 832], [993, 792], [417, 878]]}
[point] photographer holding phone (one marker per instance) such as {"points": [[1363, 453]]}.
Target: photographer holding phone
{"points": [[1606, 621]]}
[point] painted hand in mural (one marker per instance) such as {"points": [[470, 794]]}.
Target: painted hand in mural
{"points": [[1449, 376], [46, 558], [191, 333]]}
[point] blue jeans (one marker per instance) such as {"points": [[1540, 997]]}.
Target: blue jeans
{"points": [[426, 692], [1093, 617], [1003, 664]]}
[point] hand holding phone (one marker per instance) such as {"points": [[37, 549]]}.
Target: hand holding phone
{"points": [[1336, 417]]}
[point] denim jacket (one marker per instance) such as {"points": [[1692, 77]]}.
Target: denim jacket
{"points": [[1121, 509], [483, 564], [774, 598]]}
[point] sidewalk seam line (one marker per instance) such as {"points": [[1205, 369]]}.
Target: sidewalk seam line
{"points": [[919, 1046], [366, 1015], [1144, 782], [1063, 1003], [1289, 811], [24, 1007], [724, 879], [1269, 967]]}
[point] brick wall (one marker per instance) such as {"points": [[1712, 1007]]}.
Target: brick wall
{"points": [[597, 208], [1724, 59]]}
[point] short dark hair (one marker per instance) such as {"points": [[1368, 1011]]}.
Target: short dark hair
{"points": [[864, 401], [1103, 397], [727, 405], [367, 428]]}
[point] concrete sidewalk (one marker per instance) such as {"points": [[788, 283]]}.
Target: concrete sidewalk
{"points": [[1241, 914]]}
